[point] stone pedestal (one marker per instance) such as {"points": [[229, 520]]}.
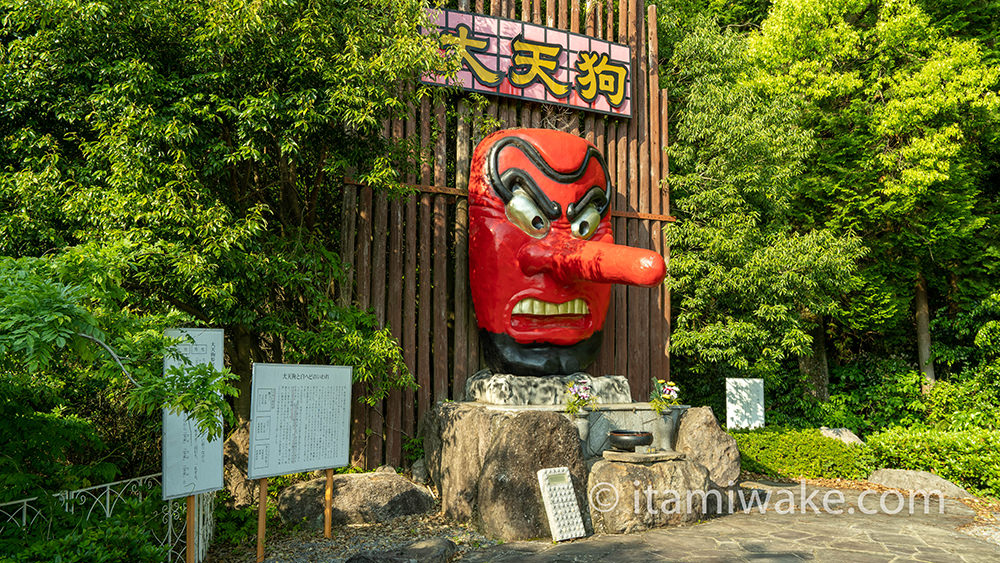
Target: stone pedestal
{"points": [[508, 390], [631, 497], [484, 460]]}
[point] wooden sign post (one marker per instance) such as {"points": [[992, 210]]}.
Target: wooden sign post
{"points": [[190, 529], [328, 506], [261, 517], [313, 405]]}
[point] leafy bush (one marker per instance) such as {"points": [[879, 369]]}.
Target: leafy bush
{"points": [[125, 537], [968, 402], [789, 453], [36, 438], [970, 458], [235, 526], [109, 541]]}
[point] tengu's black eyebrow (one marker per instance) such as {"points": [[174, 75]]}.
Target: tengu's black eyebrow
{"points": [[594, 195], [504, 184], [516, 178]]}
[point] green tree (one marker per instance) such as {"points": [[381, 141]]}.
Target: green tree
{"points": [[900, 113], [169, 163], [180, 157], [750, 286]]}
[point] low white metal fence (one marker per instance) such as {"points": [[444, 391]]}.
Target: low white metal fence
{"points": [[102, 501]]}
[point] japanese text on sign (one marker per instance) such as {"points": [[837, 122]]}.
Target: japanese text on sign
{"points": [[191, 464], [300, 417], [532, 62]]}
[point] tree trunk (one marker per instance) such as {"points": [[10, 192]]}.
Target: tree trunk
{"points": [[814, 367], [239, 363], [924, 331]]}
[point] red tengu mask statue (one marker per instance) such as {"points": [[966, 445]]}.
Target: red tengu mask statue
{"points": [[541, 255]]}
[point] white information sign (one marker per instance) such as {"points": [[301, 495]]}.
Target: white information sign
{"points": [[744, 403], [191, 464], [300, 418]]}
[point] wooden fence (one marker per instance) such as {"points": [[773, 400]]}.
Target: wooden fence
{"points": [[410, 256]]}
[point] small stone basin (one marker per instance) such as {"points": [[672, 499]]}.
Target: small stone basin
{"points": [[627, 440]]}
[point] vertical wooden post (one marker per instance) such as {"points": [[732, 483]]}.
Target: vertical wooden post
{"points": [[190, 529], [261, 517], [665, 209], [328, 505]]}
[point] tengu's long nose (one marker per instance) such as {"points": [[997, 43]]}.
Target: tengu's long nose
{"points": [[569, 260]]}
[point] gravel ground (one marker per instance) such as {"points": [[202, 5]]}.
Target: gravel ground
{"points": [[990, 533], [290, 545], [306, 546]]}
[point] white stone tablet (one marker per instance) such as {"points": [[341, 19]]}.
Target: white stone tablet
{"points": [[744, 403], [561, 507]]}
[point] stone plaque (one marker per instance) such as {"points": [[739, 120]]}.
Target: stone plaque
{"points": [[744, 403]]}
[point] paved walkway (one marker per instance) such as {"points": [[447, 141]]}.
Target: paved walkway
{"points": [[848, 537]]}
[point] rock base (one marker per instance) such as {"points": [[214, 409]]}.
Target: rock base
{"points": [[484, 460], [632, 497], [485, 463]]}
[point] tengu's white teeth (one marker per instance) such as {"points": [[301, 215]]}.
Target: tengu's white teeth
{"points": [[531, 306]]}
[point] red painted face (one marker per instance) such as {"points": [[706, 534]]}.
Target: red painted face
{"points": [[541, 255]]}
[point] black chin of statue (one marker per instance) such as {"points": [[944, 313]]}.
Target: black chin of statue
{"points": [[504, 355]]}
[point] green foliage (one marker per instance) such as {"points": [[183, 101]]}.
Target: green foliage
{"points": [[749, 285], [124, 537], [37, 437], [199, 391], [969, 402], [820, 164], [413, 449], [233, 526], [970, 458], [168, 163], [39, 317], [52, 351], [788, 453], [902, 115]]}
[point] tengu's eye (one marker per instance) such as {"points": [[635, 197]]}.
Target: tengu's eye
{"points": [[523, 212], [585, 224]]}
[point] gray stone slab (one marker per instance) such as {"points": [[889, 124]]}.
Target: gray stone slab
{"points": [[635, 457], [507, 389]]}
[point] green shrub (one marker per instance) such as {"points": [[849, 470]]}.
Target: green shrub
{"points": [[967, 402], [125, 537], [788, 453], [970, 458], [108, 541]]}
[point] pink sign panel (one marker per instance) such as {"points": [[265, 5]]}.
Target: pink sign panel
{"points": [[530, 62]]}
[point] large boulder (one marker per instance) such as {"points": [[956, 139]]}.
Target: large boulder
{"points": [[842, 434], [357, 499], [704, 442], [509, 500], [456, 437], [236, 452], [917, 481], [631, 497]]}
